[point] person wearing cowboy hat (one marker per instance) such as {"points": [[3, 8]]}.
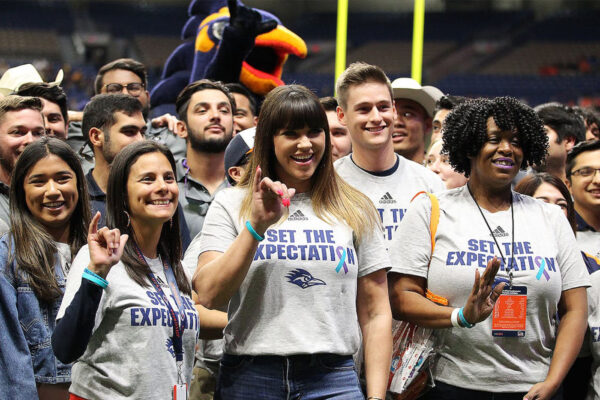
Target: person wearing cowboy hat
{"points": [[415, 105]]}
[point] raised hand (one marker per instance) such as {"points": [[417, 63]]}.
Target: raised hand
{"points": [[269, 200], [480, 303], [248, 20], [105, 246]]}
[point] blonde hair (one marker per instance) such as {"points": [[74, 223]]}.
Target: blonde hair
{"points": [[294, 107]]}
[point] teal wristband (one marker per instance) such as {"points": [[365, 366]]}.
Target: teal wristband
{"points": [[94, 278], [253, 232], [463, 320]]}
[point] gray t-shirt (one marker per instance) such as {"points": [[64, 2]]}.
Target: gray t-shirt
{"points": [[547, 262], [130, 353], [3, 227], [391, 194], [208, 352], [4, 203], [594, 335], [299, 296]]}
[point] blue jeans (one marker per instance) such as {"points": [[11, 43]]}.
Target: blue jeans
{"points": [[443, 391], [306, 377]]}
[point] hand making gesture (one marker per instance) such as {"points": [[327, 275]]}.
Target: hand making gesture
{"points": [[269, 200], [106, 247]]}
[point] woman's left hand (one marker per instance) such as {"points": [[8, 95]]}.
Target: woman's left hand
{"points": [[540, 391]]}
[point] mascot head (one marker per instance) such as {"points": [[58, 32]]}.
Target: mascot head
{"points": [[261, 69]]}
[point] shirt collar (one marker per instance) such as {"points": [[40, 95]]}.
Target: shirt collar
{"points": [[581, 224], [181, 170], [4, 188], [93, 188]]}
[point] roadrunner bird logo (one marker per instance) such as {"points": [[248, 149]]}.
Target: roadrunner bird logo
{"points": [[303, 278], [169, 344]]}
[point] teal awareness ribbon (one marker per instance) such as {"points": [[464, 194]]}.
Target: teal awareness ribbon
{"points": [[342, 263], [541, 271]]}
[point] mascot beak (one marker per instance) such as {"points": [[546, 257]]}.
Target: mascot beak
{"points": [[261, 72]]}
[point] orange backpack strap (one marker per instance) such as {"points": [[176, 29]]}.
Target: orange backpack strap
{"points": [[433, 225]]}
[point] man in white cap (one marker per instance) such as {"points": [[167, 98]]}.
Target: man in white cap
{"points": [[415, 105]]}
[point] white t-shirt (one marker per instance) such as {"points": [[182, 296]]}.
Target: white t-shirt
{"points": [[390, 194], [64, 252], [473, 358], [130, 353], [594, 334], [299, 296], [208, 352]]}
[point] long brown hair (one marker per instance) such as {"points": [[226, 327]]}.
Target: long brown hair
{"points": [[169, 245], [530, 184], [294, 107], [34, 248]]}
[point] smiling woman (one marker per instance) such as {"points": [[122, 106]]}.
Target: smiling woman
{"points": [[49, 220], [145, 316], [298, 300], [493, 248]]}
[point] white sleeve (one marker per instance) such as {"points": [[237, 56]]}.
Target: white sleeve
{"points": [[572, 267], [437, 186], [410, 249], [219, 229], [190, 258], [371, 253], [80, 263]]}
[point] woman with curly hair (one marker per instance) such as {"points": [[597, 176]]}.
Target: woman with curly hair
{"points": [[532, 269]]}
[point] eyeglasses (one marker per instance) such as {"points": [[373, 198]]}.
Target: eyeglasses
{"points": [[134, 88], [586, 172]]}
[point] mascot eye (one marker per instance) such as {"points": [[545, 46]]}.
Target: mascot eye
{"points": [[218, 28]]}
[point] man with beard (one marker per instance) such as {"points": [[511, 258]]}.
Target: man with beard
{"points": [[205, 110], [21, 123]]}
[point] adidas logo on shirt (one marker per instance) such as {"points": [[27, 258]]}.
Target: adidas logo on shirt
{"points": [[297, 216], [387, 199], [499, 232]]}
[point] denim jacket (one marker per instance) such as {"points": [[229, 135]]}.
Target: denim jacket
{"points": [[26, 326]]}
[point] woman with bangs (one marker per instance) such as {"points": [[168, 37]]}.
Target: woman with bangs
{"points": [[299, 256]]}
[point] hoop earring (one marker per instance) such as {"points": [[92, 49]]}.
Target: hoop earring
{"points": [[128, 219]]}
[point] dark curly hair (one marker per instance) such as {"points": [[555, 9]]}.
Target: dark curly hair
{"points": [[465, 130]]}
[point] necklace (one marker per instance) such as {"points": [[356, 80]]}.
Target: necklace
{"points": [[512, 238]]}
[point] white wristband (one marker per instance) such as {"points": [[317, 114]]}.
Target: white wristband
{"points": [[454, 318]]}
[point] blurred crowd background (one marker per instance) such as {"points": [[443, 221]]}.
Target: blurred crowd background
{"points": [[535, 50]]}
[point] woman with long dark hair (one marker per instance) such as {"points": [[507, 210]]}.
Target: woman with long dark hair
{"points": [[299, 256], [527, 252], [127, 316], [49, 216]]}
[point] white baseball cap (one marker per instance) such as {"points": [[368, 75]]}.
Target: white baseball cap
{"points": [[426, 96], [13, 78]]}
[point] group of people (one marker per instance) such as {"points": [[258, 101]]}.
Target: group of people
{"points": [[247, 254]]}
